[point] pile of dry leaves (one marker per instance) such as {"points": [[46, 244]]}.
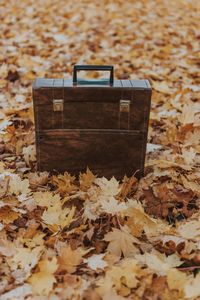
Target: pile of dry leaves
{"points": [[63, 237]]}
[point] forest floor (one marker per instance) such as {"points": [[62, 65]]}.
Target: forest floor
{"points": [[63, 237]]}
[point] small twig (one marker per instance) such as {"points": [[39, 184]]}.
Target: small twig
{"points": [[189, 268], [120, 226]]}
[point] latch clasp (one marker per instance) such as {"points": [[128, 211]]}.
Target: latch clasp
{"points": [[125, 105], [58, 104]]}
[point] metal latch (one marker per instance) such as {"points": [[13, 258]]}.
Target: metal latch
{"points": [[125, 105], [58, 104]]}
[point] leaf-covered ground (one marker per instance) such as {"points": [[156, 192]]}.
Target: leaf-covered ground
{"points": [[63, 237]]}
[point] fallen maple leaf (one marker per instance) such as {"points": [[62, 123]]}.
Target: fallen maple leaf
{"points": [[65, 184], [7, 248], [159, 262], [29, 154], [121, 241], [139, 220], [47, 199], [7, 215], [4, 186], [58, 217], [192, 287], [189, 229], [177, 280], [27, 258], [42, 281], [112, 206], [18, 186], [126, 276], [96, 261], [162, 87], [129, 186], [86, 179], [69, 259], [36, 180], [109, 187]]}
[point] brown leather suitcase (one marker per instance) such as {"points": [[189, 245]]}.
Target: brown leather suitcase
{"points": [[102, 124]]}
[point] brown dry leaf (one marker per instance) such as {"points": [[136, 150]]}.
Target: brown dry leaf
{"points": [[27, 258], [29, 154], [36, 180], [104, 286], [4, 186], [2, 165], [159, 262], [7, 215], [69, 259], [86, 179], [162, 87], [42, 281], [140, 221], [57, 217], [126, 276], [177, 280], [111, 259], [102, 197], [7, 248], [47, 199], [121, 242], [65, 184], [18, 186], [129, 185], [160, 290], [136, 228]]}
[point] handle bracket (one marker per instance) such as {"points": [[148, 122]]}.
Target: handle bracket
{"points": [[58, 104]]}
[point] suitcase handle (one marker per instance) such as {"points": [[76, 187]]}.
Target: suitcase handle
{"points": [[93, 68]]}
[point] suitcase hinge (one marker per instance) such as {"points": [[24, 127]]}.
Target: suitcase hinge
{"points": [[58, 104], [124, 114]]}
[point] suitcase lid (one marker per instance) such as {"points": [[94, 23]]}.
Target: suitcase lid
{"points": [[81, 83], [117, 83]]}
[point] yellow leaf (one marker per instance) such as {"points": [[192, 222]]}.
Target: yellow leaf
{"points": [[18, 186], [86, 179], [46, 199], [7, 215], [29, 154], [127, 276], [139, 220], [159, 262], [176, 280], [66, 221], [36, 180], [65, 184], [57, 217], [162, 87], [192, 287], [109, 187], [27, 258], [69, 259], [3, 185], [121, 241], [42, 281], [52, 214]]}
